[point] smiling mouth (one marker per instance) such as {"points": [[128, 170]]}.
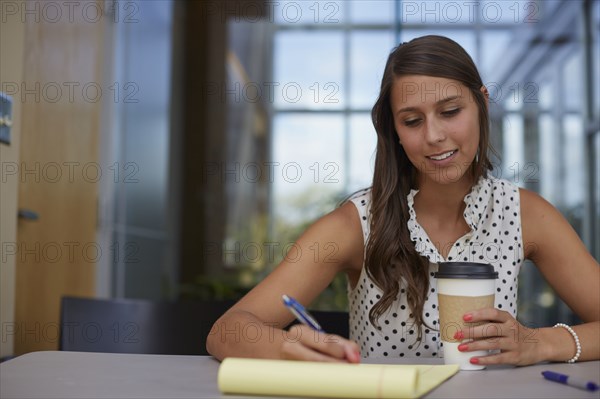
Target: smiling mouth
{"points": [[443, 156]]}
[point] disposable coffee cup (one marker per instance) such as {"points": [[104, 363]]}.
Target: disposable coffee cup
{"points": [[462, 287]]}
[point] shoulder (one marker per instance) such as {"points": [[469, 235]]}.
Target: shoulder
{"points": [[535, 208], [530, 204], [539, 214], [346, 219], [361, 198], [339, 231], [540, 221], [500, 197], [344, 222], [501, 185]]}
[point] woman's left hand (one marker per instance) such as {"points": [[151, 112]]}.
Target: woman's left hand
{"points": [[516, 343]]}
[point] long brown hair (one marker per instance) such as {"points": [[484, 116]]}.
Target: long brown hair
{"points": [[391, 257]]}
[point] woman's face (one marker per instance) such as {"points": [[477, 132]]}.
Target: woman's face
{"points": [[437, 122]]}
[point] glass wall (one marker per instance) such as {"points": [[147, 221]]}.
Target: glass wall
{"points": [[301, 82], [139, 267], [330, 56], [327, 61]]}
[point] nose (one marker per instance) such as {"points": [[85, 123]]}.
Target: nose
{"points": [[434, 131]]}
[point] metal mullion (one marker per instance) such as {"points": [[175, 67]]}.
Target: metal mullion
{"points": [[397, 26], [271, 112], [346, 114], [591, 228], [558, 106], [478, 35]]}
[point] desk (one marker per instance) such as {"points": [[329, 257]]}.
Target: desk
{"points": [[110, 375]]}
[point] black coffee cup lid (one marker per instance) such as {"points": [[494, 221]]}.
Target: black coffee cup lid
{"points": [[466, 270]]}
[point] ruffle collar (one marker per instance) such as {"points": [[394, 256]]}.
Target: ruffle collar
{"points": [[476, 201]]}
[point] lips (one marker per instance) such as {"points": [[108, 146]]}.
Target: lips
{"points": [[442, 155]]}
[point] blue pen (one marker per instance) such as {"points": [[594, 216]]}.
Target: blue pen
{"points": [[301, 314], [572, 381]]}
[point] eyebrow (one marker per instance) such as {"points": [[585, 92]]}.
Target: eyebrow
{"points": [[438, 103]]}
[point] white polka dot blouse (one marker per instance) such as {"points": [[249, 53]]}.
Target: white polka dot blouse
{"points": [[493, 215]]}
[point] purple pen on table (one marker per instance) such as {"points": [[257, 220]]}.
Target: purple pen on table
{"points": [[570, 380]]}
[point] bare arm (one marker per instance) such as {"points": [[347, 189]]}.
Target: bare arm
{"points": [[557, 251], [553, 245], [253, 326]]}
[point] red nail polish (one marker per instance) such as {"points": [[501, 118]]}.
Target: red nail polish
{"points": [[468, 317], [474, 360], [463, 347], [459, 335]]}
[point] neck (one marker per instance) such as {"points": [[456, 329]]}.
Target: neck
{"points": [[443, 201]]}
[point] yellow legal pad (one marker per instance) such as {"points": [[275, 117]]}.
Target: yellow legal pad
{"points": [[329, 380]]}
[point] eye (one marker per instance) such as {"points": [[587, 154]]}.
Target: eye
{"points": [[451, 112], [411, 122]]}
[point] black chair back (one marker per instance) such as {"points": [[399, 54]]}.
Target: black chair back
{"points": [[333, 322], [137, 326]]}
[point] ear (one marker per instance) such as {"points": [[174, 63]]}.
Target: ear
{"points": [[486, 94]]}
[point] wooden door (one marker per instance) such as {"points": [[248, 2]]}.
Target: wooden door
{"points": [[59, 172]]}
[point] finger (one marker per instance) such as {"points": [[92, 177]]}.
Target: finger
{"points": [[487, 345], [298, 351], [487, 314], [350, 348], [484, 331], [499, 358], [352, 351], [327, 344]]}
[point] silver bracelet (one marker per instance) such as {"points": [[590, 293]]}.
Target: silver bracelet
{"points": [[575, 337]]}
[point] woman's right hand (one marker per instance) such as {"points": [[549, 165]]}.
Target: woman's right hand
{"points": [[303, 343]]}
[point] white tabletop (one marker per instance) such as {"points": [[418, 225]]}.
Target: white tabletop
{"points": [[110, 375]]}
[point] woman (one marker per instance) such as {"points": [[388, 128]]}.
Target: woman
{"points": [[432, 200]]}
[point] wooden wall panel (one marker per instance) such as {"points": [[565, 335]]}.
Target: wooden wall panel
{"points": [[12, 37], [59, 172]]}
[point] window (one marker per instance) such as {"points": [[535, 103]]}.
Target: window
{"points": [[327, 61], [328, 58]]}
